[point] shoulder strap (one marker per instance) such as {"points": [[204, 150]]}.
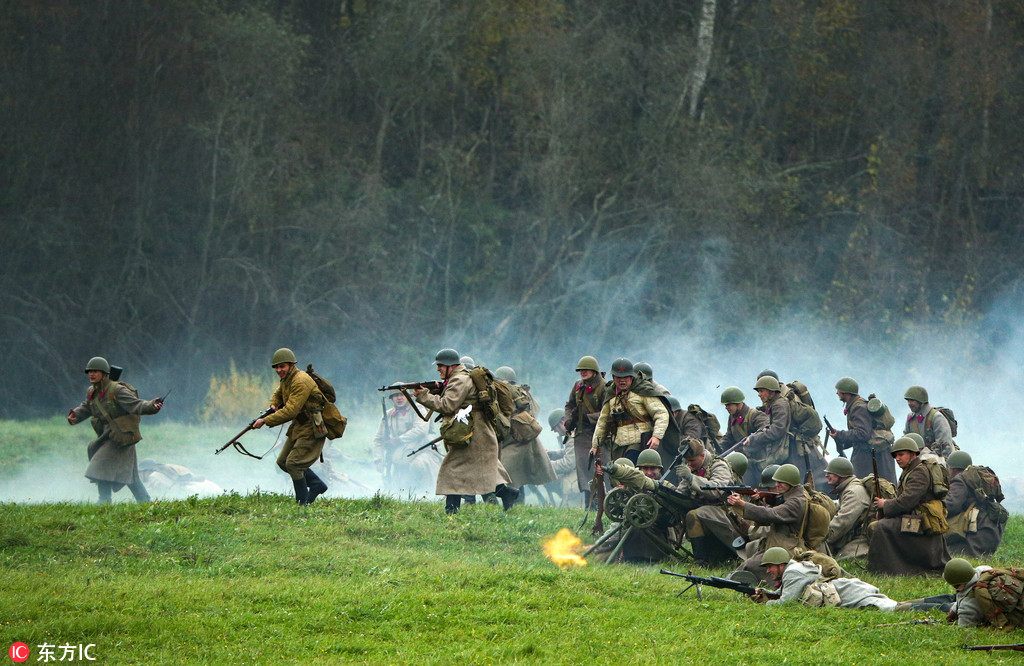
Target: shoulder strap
{"points": [[103, 410]]}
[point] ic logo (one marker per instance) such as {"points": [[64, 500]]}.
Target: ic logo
{"points": [[18, 652]]}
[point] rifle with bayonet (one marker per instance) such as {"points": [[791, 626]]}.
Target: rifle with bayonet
{"points": [[721, 584], [828, 429], [431, 444], [238, 445]]}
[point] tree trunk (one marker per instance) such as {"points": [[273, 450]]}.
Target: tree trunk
{"points": [[705, 42]]}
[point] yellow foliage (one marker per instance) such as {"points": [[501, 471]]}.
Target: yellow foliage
{"points": [[238, 396]]}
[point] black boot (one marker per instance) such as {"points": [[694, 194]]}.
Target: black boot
{"points": [[452, 503], [301, 491], [139, 492], [700, 550], [469, 499], [490, 498], [105, 490], [317, 487], [508, 495]]}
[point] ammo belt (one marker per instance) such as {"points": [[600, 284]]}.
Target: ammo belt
{"points": [[632, 421]]}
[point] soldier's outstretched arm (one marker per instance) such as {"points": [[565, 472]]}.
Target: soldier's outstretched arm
{"points": [[133, 405]]}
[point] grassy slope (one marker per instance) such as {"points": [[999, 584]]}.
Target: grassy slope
{"points": [[258, 579]]}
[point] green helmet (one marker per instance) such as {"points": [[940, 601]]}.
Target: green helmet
{"points": [[624, 461], [959, 460], [768, 382], [446, 357], [848, 385], [555, 417], [840, 467], [768, 373], [648, 458], [98, 363], [733, 395], [645, 369], [467, 362], [775, 555], [875, 407], [505, 374], [787, 474], [958, 571], [587, 363], [904, 444], [622, 367], [918, 393], [674, 404], [283, 355], [918, 439], [738, 462], [766, 476]]}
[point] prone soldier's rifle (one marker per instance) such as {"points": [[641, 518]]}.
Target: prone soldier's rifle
{"points": [[238, 446], [720, 583]]}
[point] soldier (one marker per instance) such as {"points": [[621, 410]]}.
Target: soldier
{"points": [[399, 432], [582, 411], [976, 516], [635, 418], [882, 438], [928, 422], [522, 454], [711, 529], [471, 465], [805, 448], [846, 536], [563, 460], [785, 520], [169, 479], [644, 371], [908, 539], [299, 400], [807, 582], [115, 409], [985, 596], [770, 445], [743, 421], [857, 435]]}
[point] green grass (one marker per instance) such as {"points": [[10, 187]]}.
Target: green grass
{"points": [[259, 580]]}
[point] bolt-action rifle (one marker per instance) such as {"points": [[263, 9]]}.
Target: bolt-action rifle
{"points": [[432, 444], [238, 445], [720, 583], [828, 428]]}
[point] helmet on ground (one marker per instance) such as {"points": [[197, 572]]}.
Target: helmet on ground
{"points": [[768, 373], [959, 460], [904, 443], [98, 363], [468, 362], [738, 462], [875, 407], [840, 467], [505, 374], [787, 474], [648, 458], [918, 393], [766, 476], [958, 571], [555, 417], [446, 357], [644, 369], [732, 395], [673, 403], [283, 355], [622, 367], [624, 461], [768, 382], [588, 363], [775, 555], [848, 385]]}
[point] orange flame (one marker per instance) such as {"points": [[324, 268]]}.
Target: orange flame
{"points": [[564, 549]]}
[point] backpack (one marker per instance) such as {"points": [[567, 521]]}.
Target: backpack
{"points": [[523, 425], [712, 427], [948, 413], [985, 485], [940, 478], [820, 511], [1000, 594], [804, 420], [801, 391], [333, 419], [496, 399]]}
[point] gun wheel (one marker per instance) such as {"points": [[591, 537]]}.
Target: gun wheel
{"points": [[615, 503], [640, 511]]}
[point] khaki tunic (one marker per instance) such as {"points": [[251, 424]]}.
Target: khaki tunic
{"points": [[961, 500], [297, 399], [846, 535], [473, 468], [584, 408], [110, 462], [894, 552]]}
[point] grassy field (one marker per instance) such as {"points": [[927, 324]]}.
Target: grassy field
{"points": [[258, 579]]}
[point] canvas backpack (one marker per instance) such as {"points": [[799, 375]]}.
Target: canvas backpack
{"points": [[496, 399], [1000, 594], [712, 427], [333, 421], [985, 485], [801, 391], [820, 511]]}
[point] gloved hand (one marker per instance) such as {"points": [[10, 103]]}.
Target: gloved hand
{"points": [[683, 472]]}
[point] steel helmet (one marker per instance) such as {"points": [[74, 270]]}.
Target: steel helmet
{"points": [[98, 363], [648, 458], [446, 357], [283, 355]]}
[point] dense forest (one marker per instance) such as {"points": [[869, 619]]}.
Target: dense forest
{"points": [[193, 182]]}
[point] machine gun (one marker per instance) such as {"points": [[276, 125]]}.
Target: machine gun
{"points": [[720, 583]]}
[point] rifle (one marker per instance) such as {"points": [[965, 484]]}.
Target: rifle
{"points": [[432, 444], [878, 488], [434, 387], [238, 445], [1017, 647], [719, 583], [828, 428], [770, 496], [387, 437]]}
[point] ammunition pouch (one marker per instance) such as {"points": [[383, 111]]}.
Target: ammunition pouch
{"points": [[124, 430], [456, 434], [910, 524], [819, 594], [933, 517]]}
